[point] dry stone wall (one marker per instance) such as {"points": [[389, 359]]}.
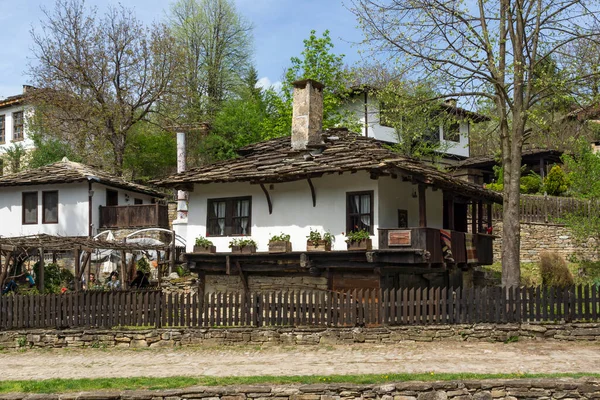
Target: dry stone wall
{"points": [[258, 283], [491, 389], [78, 338], [537, 238]]}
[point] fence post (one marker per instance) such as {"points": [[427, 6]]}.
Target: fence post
{"points": [[545, 207], [159, 309]]}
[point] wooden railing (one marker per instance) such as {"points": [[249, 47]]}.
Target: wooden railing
{"points": [[548, 209], [307, 308], [134, 216]]}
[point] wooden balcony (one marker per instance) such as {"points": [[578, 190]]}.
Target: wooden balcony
{"points": [[429, 240], [134, 216]]}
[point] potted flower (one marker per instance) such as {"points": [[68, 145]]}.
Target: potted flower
{"points": [[280, 244], [203, 245], [317, 242], [359, 240], [244, 246]]}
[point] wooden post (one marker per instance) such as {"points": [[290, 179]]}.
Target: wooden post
{"points": [[480, 217], [123, 269], [489, 213], [173, 254], [77, 270], [41, 277], [422, 207], [158, 267]]}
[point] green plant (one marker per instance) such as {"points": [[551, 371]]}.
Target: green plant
{"points": [[554, 270], [21, 341], [201, 241], [511, 339], [315, 237], [182, 271], [143, 265], [55, 277], [357, 236], [531, 183], [557, 182], [241, 242], [283, 237]]}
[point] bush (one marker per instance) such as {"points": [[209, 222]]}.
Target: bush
{"points": [[557, 182], [554, 270], [55, 278], [531, 184]]}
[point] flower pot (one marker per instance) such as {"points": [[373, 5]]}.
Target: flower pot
{"points": [[320, 245], [365, 244], [280, 246], [243, 249], [205, 249]]}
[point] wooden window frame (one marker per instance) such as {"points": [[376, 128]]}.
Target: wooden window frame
{"points": [[371, 214], [16, 125], [446, 132], [44, 220], [2, 129], [37, 203], [137, 201], [229, 218]]}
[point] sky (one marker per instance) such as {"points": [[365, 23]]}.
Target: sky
{"points": [[280, 26]]}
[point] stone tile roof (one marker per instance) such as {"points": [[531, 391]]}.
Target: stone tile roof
{"points": [[274, 161], [66, 171]]}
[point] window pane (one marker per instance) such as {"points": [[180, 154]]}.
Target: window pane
{"points": [[30, 208], [355, 204], [50, 202], [2, 129]]}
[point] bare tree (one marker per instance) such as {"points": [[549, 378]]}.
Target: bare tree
{"points": [[486, 49], [98, 77]]}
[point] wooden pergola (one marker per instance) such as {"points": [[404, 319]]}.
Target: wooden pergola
{"points": [[16, 249]]}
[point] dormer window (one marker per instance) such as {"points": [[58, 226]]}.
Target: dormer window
{"points": [[384, 115], [452, 132], [17, 126]]}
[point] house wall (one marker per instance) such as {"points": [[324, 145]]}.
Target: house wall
{"points": [[356, 106], [8, 121], [72, 209], [293, 212], [395, 194]]}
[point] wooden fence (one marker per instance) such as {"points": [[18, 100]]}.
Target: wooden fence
{"points": [[134, 216], [294, 308], [548, 209]]}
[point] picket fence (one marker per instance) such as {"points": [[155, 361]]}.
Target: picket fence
{"points": [[549, 209], [300, 308]]}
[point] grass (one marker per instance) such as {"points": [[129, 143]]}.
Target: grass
{"points": [[119, 384], [530, 273]]}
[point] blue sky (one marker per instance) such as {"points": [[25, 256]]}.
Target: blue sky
{"points": [[279, 28]]}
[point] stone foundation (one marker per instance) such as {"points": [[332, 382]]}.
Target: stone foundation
{"points": [[94, 338], [490, 389], [536, 238]]}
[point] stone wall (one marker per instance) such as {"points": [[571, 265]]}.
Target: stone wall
{"points": [[295, 336], [536, 238], [257, 283], [489, 389]]}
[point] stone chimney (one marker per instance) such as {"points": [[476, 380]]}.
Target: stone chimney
{"points": [[451, 102], [307, 117]]}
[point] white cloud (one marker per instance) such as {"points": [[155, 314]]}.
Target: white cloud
{"points": [[265, 83]]}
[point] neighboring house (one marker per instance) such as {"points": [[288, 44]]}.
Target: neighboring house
{"points": [[333, 181], [72, 199], [370, 112], [14, 113]]}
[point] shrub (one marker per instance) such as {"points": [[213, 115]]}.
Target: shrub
{"points": [[143, 265], [531, 184], [554, 270], [557, 182], [201, 241], [55, 277]]}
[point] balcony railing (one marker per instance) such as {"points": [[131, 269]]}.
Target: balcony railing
{"points": [[134, 216]]}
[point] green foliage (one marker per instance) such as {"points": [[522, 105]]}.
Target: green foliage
{"points": [[15, 155], [21, 341], [201, 241], [55, 277], [283, 237], [357, 236], [151, 152], [143, 265], [48, 150], [531, 183], [241, 242], [315, 237], [554, 270], [557, 182]]}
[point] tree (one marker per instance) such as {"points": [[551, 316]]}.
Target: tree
{"points": [[98, 77], [15, 155], [486, 49], [217, 45]]}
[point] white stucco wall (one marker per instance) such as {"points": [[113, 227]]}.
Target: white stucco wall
{"points": [[356, 106], [73, 211], [27, 143], [293, 212]]}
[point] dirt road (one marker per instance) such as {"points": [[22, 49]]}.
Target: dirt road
{"points": [[532, 357]]}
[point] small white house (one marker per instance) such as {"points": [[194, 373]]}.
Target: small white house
{"points": [[365, 105], [337, 182], [72, 199], [14, 113]]}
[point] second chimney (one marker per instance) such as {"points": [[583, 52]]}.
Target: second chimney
{"points": [[307, 115]]}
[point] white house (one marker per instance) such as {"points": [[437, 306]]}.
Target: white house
{"points": [[14, 113], [72, 199], [333, 181], [365, 105]]}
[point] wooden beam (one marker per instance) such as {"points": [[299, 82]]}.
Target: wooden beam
{"points": [[266, 192], [228, 265], [312, 192], [242, 277], [422, 207], [77, 270], [42, 267], [489, 214], [473, 216], [480, 217]]}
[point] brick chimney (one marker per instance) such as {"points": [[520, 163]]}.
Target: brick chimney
{"points": [[307, 117]]}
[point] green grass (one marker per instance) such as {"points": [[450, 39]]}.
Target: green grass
{"points": [[530, 273], [119, 384]]}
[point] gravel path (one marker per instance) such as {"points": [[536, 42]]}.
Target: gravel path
{"points": [[532, 357]]}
